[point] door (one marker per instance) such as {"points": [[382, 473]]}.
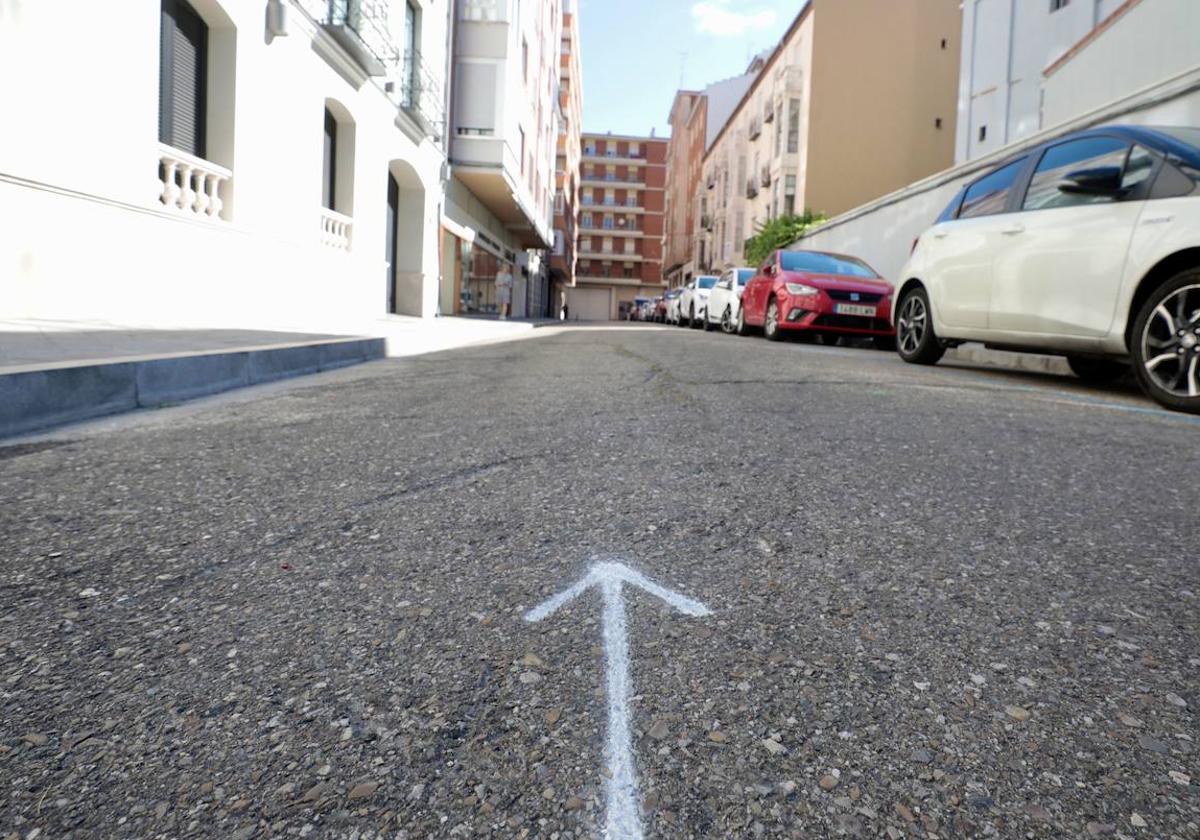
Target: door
{"points": [[959, 253], [589, 304], [1059, 271], [718, 298], [393, 213]]}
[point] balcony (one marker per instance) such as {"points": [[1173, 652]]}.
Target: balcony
{"points": [[706, 222], [360, 27], [421, 98], [769, 113], [752, 188], [614, 181], [755, 129], [765, 176], [191, 186], [335, 229]]}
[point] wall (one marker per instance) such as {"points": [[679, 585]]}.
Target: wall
{"points": [[86, 237], [1006, 44], [882, 232], [1163, 34], [874, 127]]}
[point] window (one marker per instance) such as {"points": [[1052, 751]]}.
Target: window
{"points": [[329, 164], [521, 132], [778, 127], [183, 77], [608, 223], [1059, 161], [1055, 5], [410, 93], [982, 133], [525, 59], [989, 194], [793, 143], [634, 149], [586, 220], [630, 246], [789, 195], [817, 262], [937, 123]]}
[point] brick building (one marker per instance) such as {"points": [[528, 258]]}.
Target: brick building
{"points": [[621, 207]]}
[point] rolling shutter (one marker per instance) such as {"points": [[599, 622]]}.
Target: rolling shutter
{"points": [[183, 70]]}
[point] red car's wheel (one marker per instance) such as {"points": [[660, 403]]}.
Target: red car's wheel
{"points": [[771, 324]]}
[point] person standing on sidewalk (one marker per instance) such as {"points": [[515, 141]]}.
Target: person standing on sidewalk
{"points": [[504, 287]]}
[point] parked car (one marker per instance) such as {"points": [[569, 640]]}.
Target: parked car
{"points": [[725, 299], [646, 310], [1086, 246], [637, 308], [660, 309], [672, 298], [817, 293], [694, 298]]}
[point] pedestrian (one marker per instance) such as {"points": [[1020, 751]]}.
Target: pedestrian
{"points": [[504, 287]]}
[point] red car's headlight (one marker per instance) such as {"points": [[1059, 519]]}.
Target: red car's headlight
{"points": [[800, 290]]}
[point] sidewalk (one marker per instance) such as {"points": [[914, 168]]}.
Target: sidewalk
{"points": [[55, 372]]}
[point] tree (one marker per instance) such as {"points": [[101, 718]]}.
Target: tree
{"points": [[780, 233]]}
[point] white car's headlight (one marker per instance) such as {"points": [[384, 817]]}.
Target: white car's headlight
{"points": [[799, 289]]}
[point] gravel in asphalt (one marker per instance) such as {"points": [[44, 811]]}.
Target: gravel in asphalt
{"points": [[945, 602]]}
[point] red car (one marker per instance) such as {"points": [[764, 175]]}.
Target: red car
{"points": [[818, 293]]}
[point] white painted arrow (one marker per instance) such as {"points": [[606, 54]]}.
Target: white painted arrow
{"points": [[623, 821]]}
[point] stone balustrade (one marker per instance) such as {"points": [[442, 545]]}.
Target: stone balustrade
{"points": [[190, 185], [335, 229]]}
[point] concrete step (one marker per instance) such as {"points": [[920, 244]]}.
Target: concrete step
{"points": [[35, 397]]}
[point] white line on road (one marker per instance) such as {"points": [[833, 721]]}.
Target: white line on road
{"points": [[623, 821]]}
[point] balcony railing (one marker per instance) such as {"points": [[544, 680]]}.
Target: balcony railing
{"points": [[421, 95], [335, 229], [361, 28], [190, 185], [752, 188]]}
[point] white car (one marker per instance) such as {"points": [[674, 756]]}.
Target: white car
{"points": [[694, 298], [1087, 246], [673, 306], [725, 299]]}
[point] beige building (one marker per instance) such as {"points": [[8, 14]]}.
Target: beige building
{"points": [[857, 100], [563, 260], [503, 140]]}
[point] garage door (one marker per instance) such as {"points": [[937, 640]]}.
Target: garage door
{"points": [[588, 304]]}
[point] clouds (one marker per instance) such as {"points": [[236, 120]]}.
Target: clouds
{"points": [[716, 17]]}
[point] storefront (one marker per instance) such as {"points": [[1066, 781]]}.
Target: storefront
{"points": [[470, 263]]}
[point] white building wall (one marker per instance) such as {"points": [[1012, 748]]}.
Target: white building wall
{"points": [[86, 236], [1164, 35], [1006, 45]]}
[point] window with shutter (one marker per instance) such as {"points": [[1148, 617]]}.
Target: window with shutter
{"points": [[183, 72], [329, 181]]}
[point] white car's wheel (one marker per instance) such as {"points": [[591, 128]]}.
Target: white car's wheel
{"points": [[1166, 343]]}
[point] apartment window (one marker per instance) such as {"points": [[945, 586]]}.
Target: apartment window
{"points": [[586, 220], [610, 173], [559, 203], [628, 270], [610, 197], [588, 198], [982, 133], [608, 244], [609, 224], [183, 77], [521, 132], [525, 59], [634, 149], [793, 140], [1055, 5], [329, 163], [741, 171], [789, 195], [778, 127], [410, 93], [630, 246]]}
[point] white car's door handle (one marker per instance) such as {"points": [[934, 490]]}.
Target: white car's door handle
{"points": [[1013, 230]]}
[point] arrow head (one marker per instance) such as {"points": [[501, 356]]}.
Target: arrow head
{"points": [[607, 574]]}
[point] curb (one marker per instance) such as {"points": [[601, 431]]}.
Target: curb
{"points": [[37, 399]]}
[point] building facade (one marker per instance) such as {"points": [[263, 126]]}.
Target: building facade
{"points": [[683, 171], [563, 260], [503, 139], [620, 225], [810, 134], [274, 164], [1006, 46]]}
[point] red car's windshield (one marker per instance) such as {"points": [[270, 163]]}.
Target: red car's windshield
{"points": [[819, 263]]}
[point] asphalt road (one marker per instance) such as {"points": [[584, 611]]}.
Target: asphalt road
{"points": [[943, 602]]}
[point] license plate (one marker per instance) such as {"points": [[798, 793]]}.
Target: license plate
{"points": [[854, 309]]}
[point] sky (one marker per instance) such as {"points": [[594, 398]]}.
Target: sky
{"points": [[634, 52]]}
